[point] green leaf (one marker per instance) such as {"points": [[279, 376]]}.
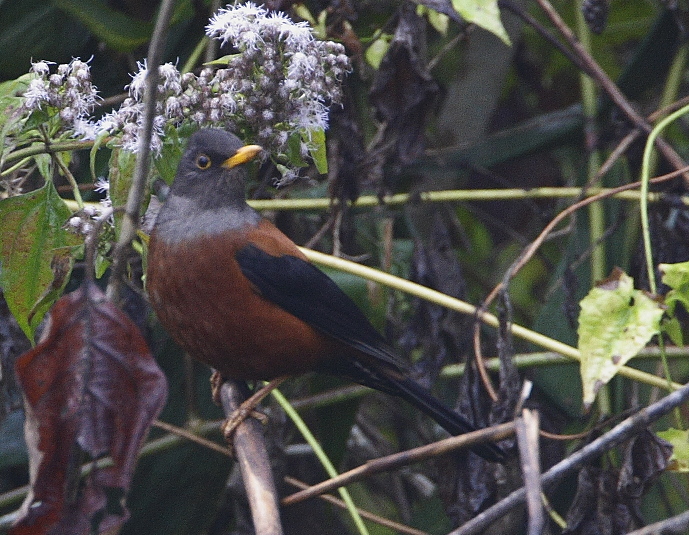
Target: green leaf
{"points": [[616, 321], [483, 13], [676, 276], [32, 234], [377, 50], [170, 155], [61, 266], [679, 438], [673, 328], [120, 32], [44, 162], [12, 88], [293, 152], [10, 119], [316, 141], [439, 21], [122, 165], [35, 29], [97, 144], [224, 61]]}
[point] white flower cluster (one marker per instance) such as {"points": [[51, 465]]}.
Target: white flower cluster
{"points": [[68, 92], [82, 221], [280, 83]]}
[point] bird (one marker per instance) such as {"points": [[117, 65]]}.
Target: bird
{"points": [[237, 294]]}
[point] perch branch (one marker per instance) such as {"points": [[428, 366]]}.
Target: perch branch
{"points": [[254, 464]]}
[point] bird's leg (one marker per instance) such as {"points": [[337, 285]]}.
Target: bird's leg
{"points": [[246, 409], [216, 382]]}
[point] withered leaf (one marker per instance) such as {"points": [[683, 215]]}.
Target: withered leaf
{"points": [[91, 389], [403, 90], [599, 507], [646, 456]]}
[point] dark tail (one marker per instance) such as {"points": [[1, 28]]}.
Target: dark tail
{"points": [[453, 422]]}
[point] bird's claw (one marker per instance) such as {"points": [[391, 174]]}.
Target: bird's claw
{"points": [[230, 425]]}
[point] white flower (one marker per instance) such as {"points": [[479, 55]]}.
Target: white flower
{"points": [[138, 84], [41, 68], [108, 123], [36, 94], [230, 23], [84, 129], [312, 115], [102, 185]]}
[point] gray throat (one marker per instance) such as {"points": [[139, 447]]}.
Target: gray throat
{"points": [[182, 219]]}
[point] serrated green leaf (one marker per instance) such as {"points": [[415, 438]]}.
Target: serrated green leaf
{"points": [[316, 141], [483, 13], [31, 235], [679, 438], [616, 321]]}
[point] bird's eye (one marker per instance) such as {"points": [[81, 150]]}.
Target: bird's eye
{"points": [[203, 161]]}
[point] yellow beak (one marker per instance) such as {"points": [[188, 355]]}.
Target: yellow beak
{"points": [[243, 155]]}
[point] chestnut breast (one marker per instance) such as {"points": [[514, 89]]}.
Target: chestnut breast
{"points": [[211, 310]]}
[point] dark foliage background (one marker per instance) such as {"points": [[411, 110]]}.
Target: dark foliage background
{"points": [[455, 109]]}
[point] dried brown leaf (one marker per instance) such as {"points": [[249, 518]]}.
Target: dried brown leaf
{"points": [[91, 389]]}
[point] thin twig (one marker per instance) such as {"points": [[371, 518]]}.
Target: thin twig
{"points": [[528, 253], [599, 75], [192, 437], [625, 430], [544, 32], [401, 528], [130, 222], [404, 458], [527, 440], [675, 525]]}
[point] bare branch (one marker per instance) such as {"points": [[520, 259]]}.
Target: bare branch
{"points": [[252, 456]]}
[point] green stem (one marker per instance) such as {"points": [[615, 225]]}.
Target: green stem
{"points": [[672, 85], [62, 146], [589, 100], [463, 307], [195, 55], [70, 178], [645, 176], [322, 457], [370, 201], [367, 201]]}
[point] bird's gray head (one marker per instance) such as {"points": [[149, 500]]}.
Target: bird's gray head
{"points": [[208, 194], [211, 171]]}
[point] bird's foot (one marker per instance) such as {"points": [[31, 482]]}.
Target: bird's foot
{"points": [[247, 408], [230, 425]]}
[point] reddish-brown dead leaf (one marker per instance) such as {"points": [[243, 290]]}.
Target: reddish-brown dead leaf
{"points": [[91, 389]]}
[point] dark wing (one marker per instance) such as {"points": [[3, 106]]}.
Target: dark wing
{"points": [[309, 294], [303, 290]]}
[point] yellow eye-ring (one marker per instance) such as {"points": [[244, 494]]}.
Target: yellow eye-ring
{"points": [[203, 161]]}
